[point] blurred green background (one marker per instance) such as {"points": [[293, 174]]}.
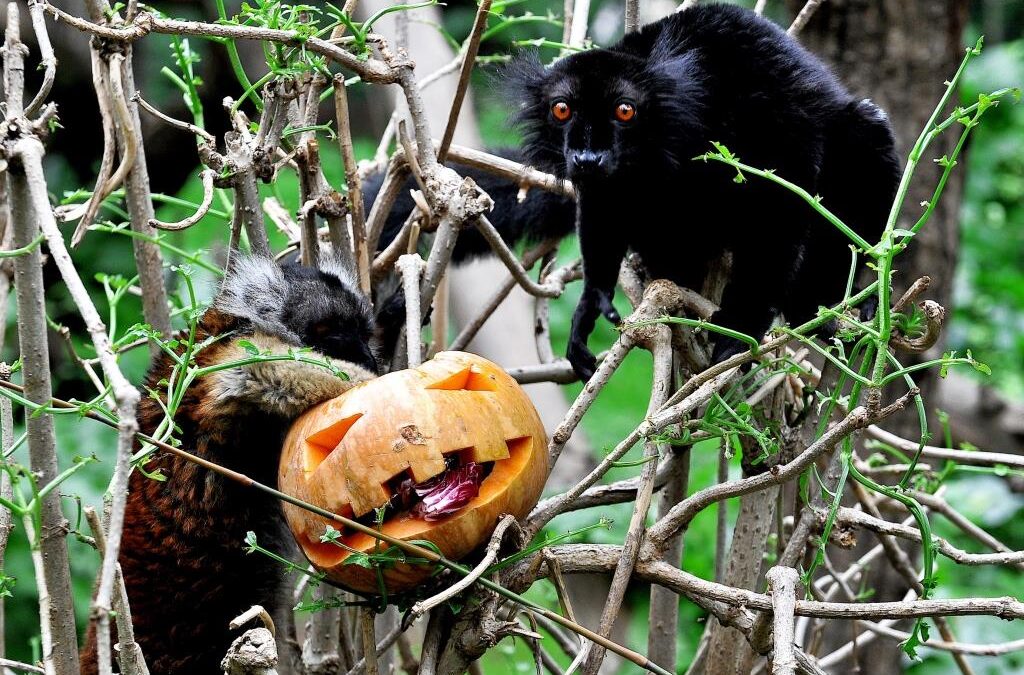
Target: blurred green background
{"points": [[988, 317]]}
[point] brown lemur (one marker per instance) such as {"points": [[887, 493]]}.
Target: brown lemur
{"points": [[182, 554]]}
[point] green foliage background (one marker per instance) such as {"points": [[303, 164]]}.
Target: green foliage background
{"points": [[988, 318]]}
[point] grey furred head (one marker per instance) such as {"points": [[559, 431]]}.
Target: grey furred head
{"points": [[304, 306]]}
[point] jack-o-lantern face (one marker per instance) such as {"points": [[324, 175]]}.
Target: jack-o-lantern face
{"points": [[347, 455]]}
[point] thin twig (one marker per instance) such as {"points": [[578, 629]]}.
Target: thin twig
{"points": [[371, 70], [472, 47], [170, 121], [490, 555], [47, 59], [130, 656], [17, 665], [602, 559], [804, 16], [207, 176], [30, 152]]}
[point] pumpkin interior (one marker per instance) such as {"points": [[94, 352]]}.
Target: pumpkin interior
{"points": [[469, 379], [403, 525]]}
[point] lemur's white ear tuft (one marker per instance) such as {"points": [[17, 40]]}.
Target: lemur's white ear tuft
{"points": [[255, 289], [330, 264]]}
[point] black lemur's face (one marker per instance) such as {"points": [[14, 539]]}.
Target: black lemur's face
{"points": [[307, 307], [600, 114], [328, 314]]}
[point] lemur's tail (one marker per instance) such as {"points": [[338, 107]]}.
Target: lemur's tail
{"points": [[539, 216]]}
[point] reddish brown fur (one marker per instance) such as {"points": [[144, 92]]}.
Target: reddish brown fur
{"points": [[182, 555]]}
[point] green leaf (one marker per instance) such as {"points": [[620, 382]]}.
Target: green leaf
{"points": [[360, 559], [978, 365], [330, 535], [250, 348]]}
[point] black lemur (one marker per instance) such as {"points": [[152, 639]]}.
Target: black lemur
{"points": [[182, 553], [624, 124]]}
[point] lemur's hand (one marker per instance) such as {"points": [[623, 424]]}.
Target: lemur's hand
{"points": [[593, 302], [390, 320], [581, 358], [608, 309]]}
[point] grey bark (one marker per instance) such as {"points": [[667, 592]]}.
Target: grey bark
{"points": [[42, 442]]}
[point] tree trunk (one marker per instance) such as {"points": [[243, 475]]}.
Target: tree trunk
{"points": [[899, 53]]}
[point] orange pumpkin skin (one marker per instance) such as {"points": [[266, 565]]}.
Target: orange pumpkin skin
{"points": [[341, 454]]}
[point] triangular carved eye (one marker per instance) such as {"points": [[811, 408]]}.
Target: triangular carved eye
{"points": [[468, 379], [323, 442]]}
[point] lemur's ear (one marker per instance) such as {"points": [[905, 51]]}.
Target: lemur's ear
{"points": [[255, 290], [522, 79], [336, 268], [674, 70], [674, 85]]}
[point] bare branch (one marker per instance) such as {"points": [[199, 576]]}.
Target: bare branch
{"points": [[396, 634], [972, 457], [30, 152], [602, 559], [129, 653], [783, 582], [501, 292], [804, 16], [60, 641], [472, 47], [681, 515], [47, 59], [410, 266], [856, 518], [6, 489], [369, 640], [358, 250], [370, 70], [660, 345], [24, 667]]}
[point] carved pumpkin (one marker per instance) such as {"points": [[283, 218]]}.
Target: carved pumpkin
{"points": [[348, 454]]}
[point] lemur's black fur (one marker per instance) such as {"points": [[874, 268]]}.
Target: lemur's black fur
{"points": [[182, 553], [714, 72]]}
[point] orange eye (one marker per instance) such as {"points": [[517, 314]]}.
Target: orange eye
{"points": [[625, 112], [561, 111]]}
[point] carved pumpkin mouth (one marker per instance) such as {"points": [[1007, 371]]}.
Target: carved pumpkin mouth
{"points": [[440, 496], [404, 524]]}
